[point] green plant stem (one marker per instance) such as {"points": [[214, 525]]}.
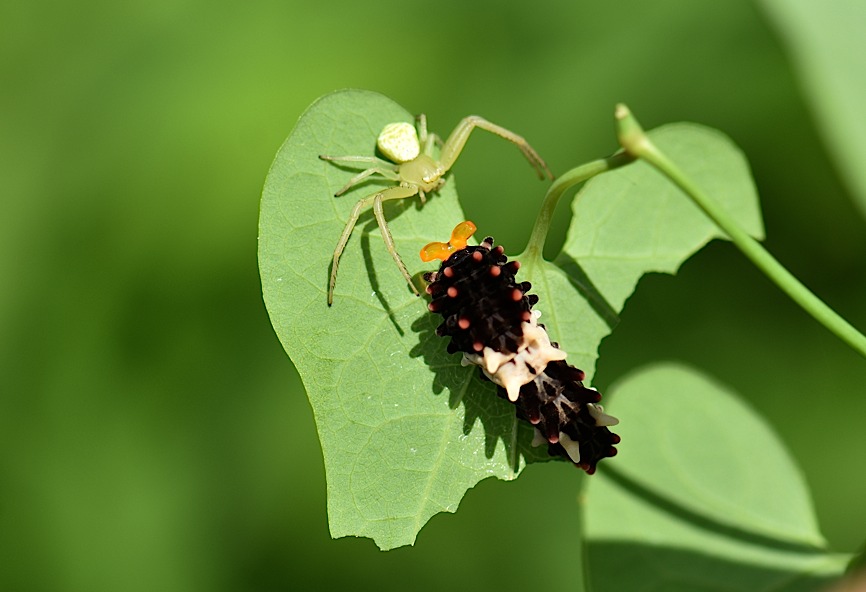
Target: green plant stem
{"points": [[636, 143], [563, 183]]}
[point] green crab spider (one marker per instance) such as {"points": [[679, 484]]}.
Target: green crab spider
{"points": [[417, 172]]}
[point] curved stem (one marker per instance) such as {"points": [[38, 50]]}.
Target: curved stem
{"points": [[563, 183], [636, 143]]}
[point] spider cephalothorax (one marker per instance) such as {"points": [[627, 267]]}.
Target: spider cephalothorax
{"points": [[412, 165], [488, 316]]}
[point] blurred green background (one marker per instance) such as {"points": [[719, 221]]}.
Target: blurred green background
{"points": [[154, 436]]}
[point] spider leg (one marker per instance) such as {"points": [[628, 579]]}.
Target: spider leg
{"points": [[387, 173], [421, 124], [426, 138], [457, 140], [390, 193], [393, 193], [370, 159]]}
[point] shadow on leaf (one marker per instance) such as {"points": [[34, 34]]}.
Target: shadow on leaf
{"points": [[702, 521], [367, 223], [467, 385], [581, 282], [627, 565], [374, 280]]}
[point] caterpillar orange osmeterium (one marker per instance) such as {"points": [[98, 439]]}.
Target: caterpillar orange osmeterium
{"points": [[489, 318]]}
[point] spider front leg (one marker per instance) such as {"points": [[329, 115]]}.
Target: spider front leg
{"points": [[399, 192], [457, 140], [385, 169], [408, 191], [387, 173]]}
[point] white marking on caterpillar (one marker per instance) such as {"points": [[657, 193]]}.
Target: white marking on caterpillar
{"points": [[601, 418], [512, 370]]}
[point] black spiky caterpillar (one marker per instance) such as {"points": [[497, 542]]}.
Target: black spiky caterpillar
{"points": [[489, 318]]}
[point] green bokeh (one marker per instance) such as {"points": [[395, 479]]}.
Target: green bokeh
{"points": [[154, 436]]}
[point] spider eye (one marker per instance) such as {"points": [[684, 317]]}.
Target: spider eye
{"points": [[399, 142], [442, 251]]}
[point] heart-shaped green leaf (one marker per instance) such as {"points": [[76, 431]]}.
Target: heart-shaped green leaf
{"points": [[405, 429], [703, 496]]}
